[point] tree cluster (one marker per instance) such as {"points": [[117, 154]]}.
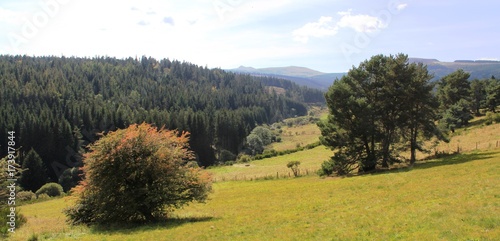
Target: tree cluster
{"points": [[380, 107], [460, 98], [58, 105]]}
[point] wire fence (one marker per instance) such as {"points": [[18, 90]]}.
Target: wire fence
{"points": [[273, 176], [449, 148]]}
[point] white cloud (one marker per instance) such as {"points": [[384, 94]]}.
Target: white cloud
{"points": [[401, 6], [325, 26], [360, 23], [10, 17]]}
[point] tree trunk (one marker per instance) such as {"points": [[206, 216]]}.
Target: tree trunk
{"points": [[413, 146], [148, 215]]}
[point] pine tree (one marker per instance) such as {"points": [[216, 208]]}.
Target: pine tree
{"points": [[34, 173]]}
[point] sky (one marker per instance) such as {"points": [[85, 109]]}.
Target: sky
{"points": [[325, 35]]}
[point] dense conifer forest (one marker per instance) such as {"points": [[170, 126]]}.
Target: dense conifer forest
{"points": [[58, 105]]}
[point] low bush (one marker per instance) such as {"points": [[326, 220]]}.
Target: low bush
{"points": [[25, 196], [43, 197], [244, 159], [339, 164], [492, 118], [52, 189]]}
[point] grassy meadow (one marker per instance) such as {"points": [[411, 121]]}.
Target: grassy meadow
{"points": [[453, 198], [310, 162], [299, 135], [295, 136]]}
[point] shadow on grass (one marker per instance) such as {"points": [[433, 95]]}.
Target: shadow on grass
{"points": [[144, 227], [452, 159]]}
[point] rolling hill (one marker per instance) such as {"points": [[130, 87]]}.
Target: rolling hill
{"points": [[300, 75], [479, 69]]}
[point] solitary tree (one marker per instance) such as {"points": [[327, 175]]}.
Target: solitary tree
{"points": [[294, 165], [137, 174]]}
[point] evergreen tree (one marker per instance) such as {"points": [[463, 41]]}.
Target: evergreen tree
{"points": [[492, 89], [34, 172], [453, 88], [478, 91], [454, 94], [420, 110]]}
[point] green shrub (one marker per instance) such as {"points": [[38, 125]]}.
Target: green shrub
{"points": [[42, 197], [52, 189], [244, 159], [225, 156], [340, 164], [492, 118], [25, 196], [327, 168], [70, 178]]}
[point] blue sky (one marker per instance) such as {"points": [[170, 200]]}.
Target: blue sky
{"points": [[329, 36]]}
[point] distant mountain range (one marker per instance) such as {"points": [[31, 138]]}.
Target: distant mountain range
{"points": [[479, 69], [300, 75]]}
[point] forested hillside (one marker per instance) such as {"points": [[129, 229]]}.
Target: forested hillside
{"points": [[57, 105]]}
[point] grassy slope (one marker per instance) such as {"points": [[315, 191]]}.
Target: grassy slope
{"points": [[476, 136], [310, 160], [300, 134], [296, 135], [456, 198]]}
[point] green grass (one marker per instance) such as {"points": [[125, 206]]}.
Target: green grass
{"points": [[455, 198], [299, 135], [295, 136], [310, 161]]}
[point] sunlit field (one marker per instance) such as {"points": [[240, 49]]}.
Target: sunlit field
{"points": [[455, 198]]}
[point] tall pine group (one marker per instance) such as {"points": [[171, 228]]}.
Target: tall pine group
{"points": [[387, 105]]}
